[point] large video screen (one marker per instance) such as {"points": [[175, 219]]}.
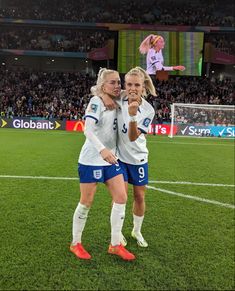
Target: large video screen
{"points": [[181, 48]]}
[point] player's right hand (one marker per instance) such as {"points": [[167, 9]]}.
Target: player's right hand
{"points": [[108, 156], [133, 108]]}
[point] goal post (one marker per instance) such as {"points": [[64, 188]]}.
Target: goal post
{"points": [[202, 120]]}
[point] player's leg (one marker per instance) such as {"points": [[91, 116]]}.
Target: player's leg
{"points": [[138, 214], [117, 190], [139, 180], [89, 176], [123, 239], [80, 217], [125, 175]]}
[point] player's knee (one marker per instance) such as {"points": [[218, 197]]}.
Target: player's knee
{"points": [[121, 199], [87, 201], [139, 197]]}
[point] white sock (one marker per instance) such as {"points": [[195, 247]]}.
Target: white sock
{"points": [[117, 219], [79, 221], [137, 221]]}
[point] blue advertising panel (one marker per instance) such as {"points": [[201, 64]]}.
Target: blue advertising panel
{"points": [[216, 131]]}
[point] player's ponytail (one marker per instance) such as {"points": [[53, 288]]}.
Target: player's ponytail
{"points": [[148, 43]]}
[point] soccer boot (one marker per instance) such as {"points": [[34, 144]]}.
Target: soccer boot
{"points": [[121, 252], [80, 252], [140, 240]]}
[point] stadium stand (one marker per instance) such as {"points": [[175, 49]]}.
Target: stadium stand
{"points": [[65, 95], [195, 13], [60, 93]]}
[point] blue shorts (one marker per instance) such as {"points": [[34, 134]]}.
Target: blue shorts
{"points": [[135, 174], [93, 174]]}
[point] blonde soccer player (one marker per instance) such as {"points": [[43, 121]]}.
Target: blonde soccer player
{"points": [[153, 45], [98, 163], [134, 116]]}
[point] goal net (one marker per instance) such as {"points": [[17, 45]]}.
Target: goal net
{"points": [[202, 120]]}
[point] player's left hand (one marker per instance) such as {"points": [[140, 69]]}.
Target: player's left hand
{"points": [[109, 103], [133, 108], [179, 68]]}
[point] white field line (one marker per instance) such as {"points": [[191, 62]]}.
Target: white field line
{"points": [[193, 197], [191, 183], [192, 143], [37, 177], [151, 182], [150, 187]]}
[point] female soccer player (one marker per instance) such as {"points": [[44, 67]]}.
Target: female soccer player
{"points": [[153, 45], [98, 163], [134, 116]]}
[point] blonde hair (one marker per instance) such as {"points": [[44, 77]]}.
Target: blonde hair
{"points": [[102, 75], [148, 43], [147, 81]]}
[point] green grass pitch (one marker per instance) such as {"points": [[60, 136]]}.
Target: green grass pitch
{"points": [[189, 227]]}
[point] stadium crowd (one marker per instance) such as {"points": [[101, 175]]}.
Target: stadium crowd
{"points": [[162, 12], [65, 95], [205, 116], [74, 40], [51, 39], [224, 42]]}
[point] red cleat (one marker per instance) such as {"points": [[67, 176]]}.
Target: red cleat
{"points": [[121, 252], [80, 252]]}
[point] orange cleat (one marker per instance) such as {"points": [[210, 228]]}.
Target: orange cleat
{"points": [[80, 252], [121, 252]]}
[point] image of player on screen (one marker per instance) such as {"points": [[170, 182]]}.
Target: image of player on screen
{"points": [[153, 45]]}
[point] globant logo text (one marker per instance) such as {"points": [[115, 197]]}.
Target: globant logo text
{"points": [[33, 124]]}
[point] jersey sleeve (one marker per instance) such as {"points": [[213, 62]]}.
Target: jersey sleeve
{"points": [[94, 109], [91, 136], [165, 68], [145, 120]]}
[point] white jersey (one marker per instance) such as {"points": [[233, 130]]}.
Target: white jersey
{"points": [[105, 130], [154, 62], [135, 152]]}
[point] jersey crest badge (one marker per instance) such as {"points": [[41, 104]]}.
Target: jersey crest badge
{"points": [[93, 108], [153, 58], [146, 122], [97, 174]]}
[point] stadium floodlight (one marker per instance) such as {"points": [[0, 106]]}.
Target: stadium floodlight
{"points": [[202, 120]]}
